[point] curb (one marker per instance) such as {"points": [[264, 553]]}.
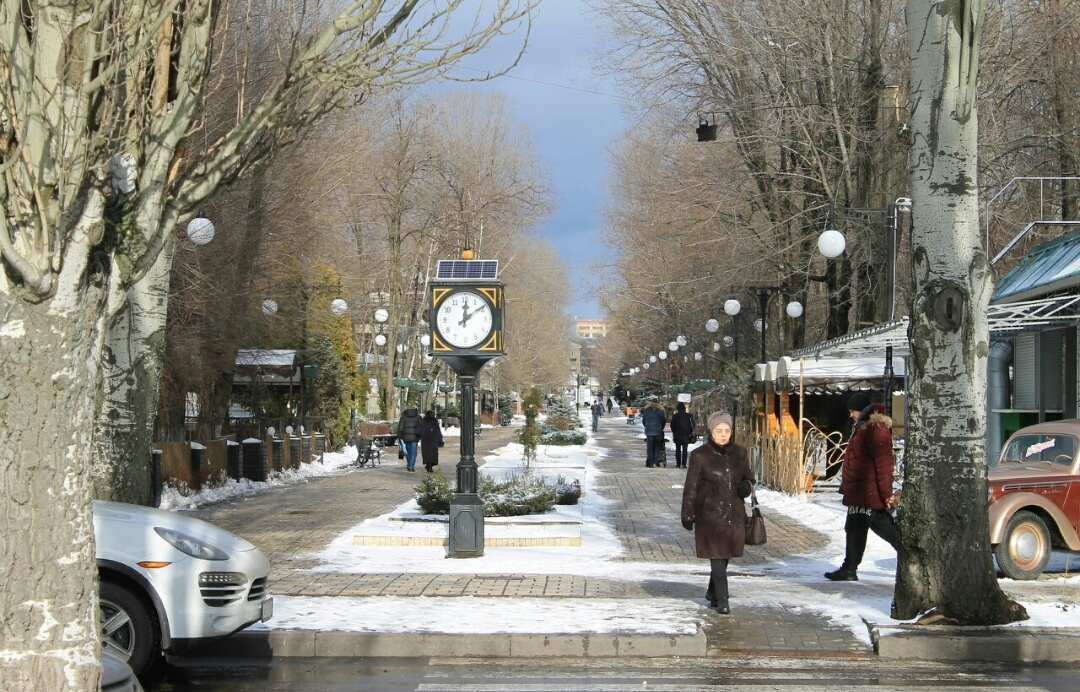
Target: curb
{"points": [[1000, 645], [336, 644]]}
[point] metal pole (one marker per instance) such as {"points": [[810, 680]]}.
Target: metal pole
{"points": [[888, 380], [890, 259]]}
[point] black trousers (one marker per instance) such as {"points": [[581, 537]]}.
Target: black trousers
{"points": [[860, 521], [681, 453], [718, 586]]}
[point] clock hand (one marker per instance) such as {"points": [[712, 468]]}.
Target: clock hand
{"points": [[465, 315]]}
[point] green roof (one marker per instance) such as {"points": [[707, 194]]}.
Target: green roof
{"points": [[1051, 267]]}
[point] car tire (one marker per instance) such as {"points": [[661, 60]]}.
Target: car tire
{"points": [[128, 628], [1025, 549]]}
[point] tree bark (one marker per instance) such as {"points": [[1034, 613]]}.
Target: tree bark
{"points": [[132, 364], [945, 562], [48, 381]]}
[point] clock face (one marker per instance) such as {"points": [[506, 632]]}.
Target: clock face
{"points": [[464, 319]]}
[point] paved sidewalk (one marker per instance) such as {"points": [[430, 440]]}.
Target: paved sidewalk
{"points": [[288, 523], [292, 522]]}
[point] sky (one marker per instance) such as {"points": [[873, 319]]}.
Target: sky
{"points": [[574, 119], [792, 582]]}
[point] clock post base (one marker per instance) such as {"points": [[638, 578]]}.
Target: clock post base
{"points": [[466, 526]]}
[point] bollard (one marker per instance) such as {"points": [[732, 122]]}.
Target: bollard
{"points": [[232, 460], [155, 477], [198, 454], [254, 459]]}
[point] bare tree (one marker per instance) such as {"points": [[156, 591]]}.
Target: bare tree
{"points": [[98, 105], [945, 563]]}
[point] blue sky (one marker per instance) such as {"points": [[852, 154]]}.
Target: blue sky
{"points": [[574, 118]]}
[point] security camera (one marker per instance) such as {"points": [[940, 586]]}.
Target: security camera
{"points": [[903, 204]]}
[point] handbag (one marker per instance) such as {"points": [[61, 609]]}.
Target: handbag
{"points": [[693, 437], [755, 523]]}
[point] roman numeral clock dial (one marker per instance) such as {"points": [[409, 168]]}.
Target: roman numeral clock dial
{"points": [[464, 319]]}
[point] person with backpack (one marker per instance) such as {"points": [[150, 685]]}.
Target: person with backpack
{"points": [[408, 432], [596, 411]]}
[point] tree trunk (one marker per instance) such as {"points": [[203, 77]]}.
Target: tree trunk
{"points": [[132, 364], [945, 563], [49, 377]]}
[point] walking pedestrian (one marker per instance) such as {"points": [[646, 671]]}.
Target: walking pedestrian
{"points": [[653, 419], [595, 408], [610, 404], [867, 484], [430, 440], [717, 479], [681, 427], [408, 432]]}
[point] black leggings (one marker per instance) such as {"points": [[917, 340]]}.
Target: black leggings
{"points": [[681, 452]]}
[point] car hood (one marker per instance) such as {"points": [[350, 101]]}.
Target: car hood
{"points": [[117, 515], [1026, 471]]}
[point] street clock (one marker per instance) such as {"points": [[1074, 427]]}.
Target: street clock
{"points": [[466, 309]]}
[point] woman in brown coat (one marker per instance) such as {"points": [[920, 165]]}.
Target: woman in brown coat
{"points": [[717, 479]]}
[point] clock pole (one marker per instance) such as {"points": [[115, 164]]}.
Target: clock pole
{"points": [[467, 509], [466, 320]]}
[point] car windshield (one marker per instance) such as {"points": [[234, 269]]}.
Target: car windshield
{"points": [[1052, 449]]}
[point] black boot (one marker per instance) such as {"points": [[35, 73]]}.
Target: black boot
{"points": [[842, 574], [722, 606]]}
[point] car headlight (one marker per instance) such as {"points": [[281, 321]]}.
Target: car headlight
{"points": [[191, 546]]}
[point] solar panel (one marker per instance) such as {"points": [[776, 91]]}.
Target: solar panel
{"points": [[467, 269]]}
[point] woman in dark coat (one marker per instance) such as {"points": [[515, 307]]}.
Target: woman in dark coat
{"points": [[717, 479], [430, 440], [681, 427]]}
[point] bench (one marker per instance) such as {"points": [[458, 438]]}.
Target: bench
{"points": [[367, 452]]}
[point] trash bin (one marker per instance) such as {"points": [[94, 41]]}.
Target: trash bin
{"points": [[305, 448], [294, 452], [232, 460], [155, 477], [254, 459], [320, 445], [198, 456], [277, 453]]}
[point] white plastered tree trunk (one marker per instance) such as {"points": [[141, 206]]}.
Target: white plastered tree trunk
{"points": [[946, 565]]}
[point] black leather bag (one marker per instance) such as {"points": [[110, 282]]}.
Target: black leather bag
{"points": [[755, 523]]}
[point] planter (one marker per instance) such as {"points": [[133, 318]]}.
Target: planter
{"points": [[402, 382], [446, 388], [420, 386]]}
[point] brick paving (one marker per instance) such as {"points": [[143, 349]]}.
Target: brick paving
{"points": [[291, 522]]}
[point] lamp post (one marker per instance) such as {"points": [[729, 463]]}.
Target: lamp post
{"points": [[831, 244], [794, 310]]}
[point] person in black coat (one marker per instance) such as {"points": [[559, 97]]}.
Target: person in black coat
{"points": [[430, 440], [408, 431], [681, 427]]}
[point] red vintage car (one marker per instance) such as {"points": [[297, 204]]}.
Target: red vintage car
{"points": [[1035, 497]]}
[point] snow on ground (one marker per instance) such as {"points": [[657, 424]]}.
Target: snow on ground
{"points": [[794, 583]]}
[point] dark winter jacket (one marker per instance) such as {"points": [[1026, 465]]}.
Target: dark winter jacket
{"points": [[653, 418], [868, 462], [408, 427], [681, 427], [712, 501], [430, 439]]}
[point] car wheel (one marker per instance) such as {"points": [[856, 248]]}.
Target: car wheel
{"points": [[1025, 550], [127, 627]]}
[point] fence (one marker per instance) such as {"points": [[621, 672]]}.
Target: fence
{"points": [[792, 463], [196, 465]]}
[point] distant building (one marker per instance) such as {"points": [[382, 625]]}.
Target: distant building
{"points": [[590, 329]]}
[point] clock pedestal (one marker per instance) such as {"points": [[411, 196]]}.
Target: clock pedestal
{"points": [[467, 510]]}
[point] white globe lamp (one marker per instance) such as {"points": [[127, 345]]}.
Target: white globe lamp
{"points": [[200, 230], [338, 306], [831, 243], [732, 307], [794, 309], [269, 306], [712, 325]]}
